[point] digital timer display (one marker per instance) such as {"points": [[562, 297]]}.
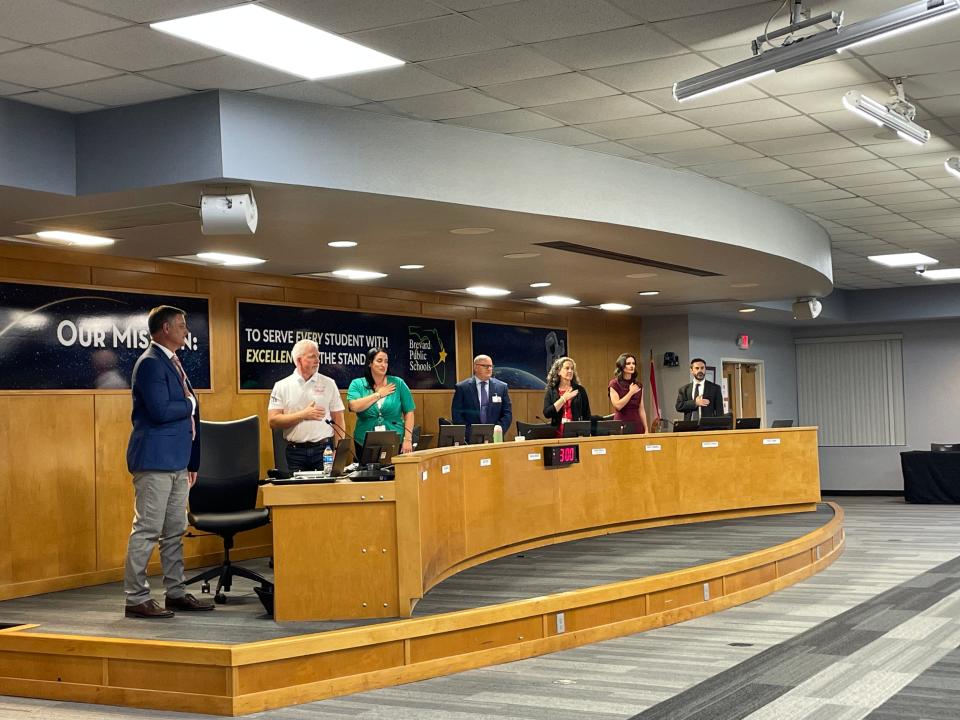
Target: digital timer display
{"points": [[561, 455]]}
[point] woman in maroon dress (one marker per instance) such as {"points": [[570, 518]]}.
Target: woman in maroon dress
{"points": [[626, 394]]}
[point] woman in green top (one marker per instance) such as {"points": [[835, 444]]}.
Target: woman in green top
{"points": [[381, 402]]}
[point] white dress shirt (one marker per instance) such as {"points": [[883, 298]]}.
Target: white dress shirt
{"points": [[293, 394]]}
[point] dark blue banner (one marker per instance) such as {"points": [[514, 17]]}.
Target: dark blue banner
{"points": [[421, 350], [69, 338], [522, 356]]}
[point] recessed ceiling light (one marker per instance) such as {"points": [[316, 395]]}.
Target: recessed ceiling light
{"points": [[229, 259], [412, 267], [943, 274], [540, 284], [649, 293], [73, 238], [521, 256], [747, 310], [952, 165], [910, 259], [342, 243], [557, 300], [614, 306], [744, 285], [641, 276], [471, 231], [350, 274], [269, 38], [484, 291]]}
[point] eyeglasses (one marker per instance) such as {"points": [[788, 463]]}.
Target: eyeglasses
{"points": [[485, 367]]}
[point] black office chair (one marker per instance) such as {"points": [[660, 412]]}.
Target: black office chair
{"points": [[223, 500], [945, 447]]}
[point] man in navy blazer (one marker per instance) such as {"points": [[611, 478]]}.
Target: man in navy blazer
{"points": [[163, 455], [482, 399]]}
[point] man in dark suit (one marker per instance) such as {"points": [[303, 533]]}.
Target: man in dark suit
{"points": [[482, 398], [701, 398], [163, 455]]}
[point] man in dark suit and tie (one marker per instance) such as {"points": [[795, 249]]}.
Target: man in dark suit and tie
{"points": [[163, 455], [701, 398], [482, 399]]}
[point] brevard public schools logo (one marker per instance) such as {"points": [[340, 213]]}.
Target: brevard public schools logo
{"points": [[427, 353]]}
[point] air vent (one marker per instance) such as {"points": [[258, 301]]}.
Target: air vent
{"points": [[118, 219], [623, 257]]}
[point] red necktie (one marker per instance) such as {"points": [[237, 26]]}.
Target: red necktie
{"points": [[186, 392]]}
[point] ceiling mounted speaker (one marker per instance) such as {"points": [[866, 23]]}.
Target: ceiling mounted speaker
{"points": [[806, 309], [228, 214]]}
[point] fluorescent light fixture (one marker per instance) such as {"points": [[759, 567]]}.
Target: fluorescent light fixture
{"points": [[648, 293], [472, 231], [883, 116], [895, 260], [254, 33], [351, 274], [557, 300], [484, 291], [412, 267], [802, 50], [952, 165], [229, 259], [74, 238], [614, 306], [943, 274], [747, 310], [342, 244], [539, 284]]}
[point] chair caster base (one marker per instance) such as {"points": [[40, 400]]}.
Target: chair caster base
{"points": [[220, 599]]}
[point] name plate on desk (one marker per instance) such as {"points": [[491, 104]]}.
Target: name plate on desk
{"points": [[598, 451], [771, 441], [652, 448], [710, 443], [444, 469], [533, 456], [484, 462]]}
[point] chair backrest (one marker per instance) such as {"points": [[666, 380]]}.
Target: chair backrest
{"points": [[229, 466], [280, 451], [945, 447]]}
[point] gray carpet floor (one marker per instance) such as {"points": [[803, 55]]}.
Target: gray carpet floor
{"points": [[875, 635]]}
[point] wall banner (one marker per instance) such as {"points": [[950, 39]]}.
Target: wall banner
{"points": [[422, 350], [73, 338], [522, 355]]}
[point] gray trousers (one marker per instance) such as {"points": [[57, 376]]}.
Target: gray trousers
{"points": [[160, 515]]}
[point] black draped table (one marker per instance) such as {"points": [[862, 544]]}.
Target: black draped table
{"points": [[931, 477]]}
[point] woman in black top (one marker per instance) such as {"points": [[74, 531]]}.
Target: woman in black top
{"points": [[565, 399]]}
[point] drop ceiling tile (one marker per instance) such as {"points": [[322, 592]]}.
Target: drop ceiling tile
{"points": [[873, 136], [494, 66], [889, 193], [44, 21], [933, 85], [809, 143], [855, 214], [904, 202], [510, 121], [945, 107], [465, 5], [313, 92], [38, 68], [655, 10], [612, 148], [345, 16], [8, 45], [652, 74], [430, 39], [442, 106], [752, 110], [827, 100], [228, 73], [663, 98], [391, 84], [917, 61], [638, 126], [817, 196], [56, 102], [767, 178], [947, 183], [739, 167], [703, 156], [614, 107], [789, 189], [134, 48], [11, 89], [376, 107], [721, 29], [151, 11], [611, 47], [843, 120], [930, 172], [819, 77], [563, 136], [945, 145], [771, 129], [121, 90], [531, 21], [912, 161], [863, 179], [826, 157], [658, 162], [690, 140], [854, 168], [549, 90]]}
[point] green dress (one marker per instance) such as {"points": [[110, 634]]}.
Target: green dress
{"points": [[390, 414]]}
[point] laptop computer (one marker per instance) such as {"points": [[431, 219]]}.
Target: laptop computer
{"points": [[686, 425], [781, 423], [723, 422], [342, 457], [747, 424]]}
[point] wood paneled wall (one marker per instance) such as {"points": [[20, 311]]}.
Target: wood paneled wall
{"points": [[65, 492]]}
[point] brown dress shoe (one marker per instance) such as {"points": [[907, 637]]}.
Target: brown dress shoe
{"points": [[149, 609], [186, 603]]}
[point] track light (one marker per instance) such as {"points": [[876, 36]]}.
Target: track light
{"points": [[897, 115], [801, 50], [952, 165]]}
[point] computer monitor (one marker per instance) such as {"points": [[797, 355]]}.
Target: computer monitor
{"points": [[379, 447], [451, 435], [945, 447], [724, 422], [576, 428], [424, 442], [747, 424], [781, 423], [481, 433], [342, 456], [609, 427], [686, 425], [530, 431]]}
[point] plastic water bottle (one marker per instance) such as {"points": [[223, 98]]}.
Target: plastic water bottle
{"points": [[497, 434], [327, 460]]}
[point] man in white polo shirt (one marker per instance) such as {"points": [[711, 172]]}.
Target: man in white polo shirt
{"points": [[301, 404]]}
